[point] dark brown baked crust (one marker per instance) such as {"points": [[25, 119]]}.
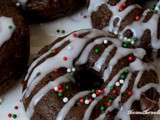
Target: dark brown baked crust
{"points": [[42, 10], [14, 53], [101, 18], [87, 78]]}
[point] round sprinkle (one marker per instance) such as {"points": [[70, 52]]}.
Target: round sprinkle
{"points": [[105, 41], [126, 71], [56, 70], [130, 58], [90, 100], [84, 16], [109, 104], [102, 108], [114, 91], [56, 88], [65, 58], [94, 95], [132, 42], [138, 17], [18, 4], [14, 116], [115, 35], [73, 69], [59, 86], [125, 38], [110, 100], [63, 31], [117, 84], [54, 51], [67, 87], [74, 35], [93, 90], [81, 100], [65, 100], [124, 45], [69, 47], [134, 39], [111, 87], [10, 27], [129, 93], [97, 50], [121, 81], [9, 115], [58, 31], [86, 102], [60, 94], [68, 70], [16, 107], [123, 76], [72, 74], [121, 37]]}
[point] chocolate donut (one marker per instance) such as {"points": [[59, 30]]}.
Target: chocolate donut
{"points": [[128, 21], [14, 44], [87, 75]]}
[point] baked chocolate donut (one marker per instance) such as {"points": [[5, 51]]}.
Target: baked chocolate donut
{"points": [[14, 44], [129, 22], [87, 75], [42, 10]]}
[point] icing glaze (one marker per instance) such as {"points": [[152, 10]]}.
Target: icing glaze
{"points": [[83, 46], [7, 28]]}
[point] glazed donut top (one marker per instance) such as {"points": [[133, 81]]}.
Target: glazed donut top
{"points": [[81, 47], [137, 27], [7, 28]]}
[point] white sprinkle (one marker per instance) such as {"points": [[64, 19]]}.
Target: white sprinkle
{"points": [[94, 95], [121, 81], [129, 40], [121, 37], [69, 47], [132, 42], [73, 69], [125, 38], [18, 4], [156, 8], [56, 88], [117, 84], [115, 32], [68, 70], [105, 41], [87, 102], [65, 100]]}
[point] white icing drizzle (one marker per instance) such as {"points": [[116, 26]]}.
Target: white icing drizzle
{"points": [[5, 32], [157, 7], [62, 114], [79, 46], [137, 27]]}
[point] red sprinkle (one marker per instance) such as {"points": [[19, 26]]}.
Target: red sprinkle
{"points": [[59, 86], [84, 16], [130, 58], [9, 115], [81, 100], [54, 51], [114, 91], [102, 91], [138, 17], [16, 107], [109, 104], [129, 93], [97, 92], [55, 70], [65, 58], [61, 90], [74, 35], [90, 100]]}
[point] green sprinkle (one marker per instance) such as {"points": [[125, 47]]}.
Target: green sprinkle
{"points": [[150, 9], [97, 50], [128, 42], [159, 6], [72, 74], [110, 100], [86, 98], [102, 108], [58, 31], [60, 94], [126, 71], [14, 116], [50, 51], [123, 76], [155, 11], [134, 39], [115, 35], [93, 90], [10, 27], [111, 87], [67, 87], [63, 31], [124, 45]]}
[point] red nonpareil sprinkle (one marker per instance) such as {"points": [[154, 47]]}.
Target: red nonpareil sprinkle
{"points": [[9, 115], [84, 16], [138, 17], [65, 58], [74, 35], [124, 5], [54, 51], [81, 100], [102, 91], [109, 104], [130, 58], [129, 93], [114, 91], [90, 100], [97, 92], [16, 107], [56, 70], [61, 90], [59, 86]]}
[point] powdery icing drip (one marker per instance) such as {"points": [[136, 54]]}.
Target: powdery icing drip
{"points": [[79, 46], [137, 27], [7, 28]]}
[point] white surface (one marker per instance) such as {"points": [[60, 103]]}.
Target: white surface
{"points": [[42, 35]]}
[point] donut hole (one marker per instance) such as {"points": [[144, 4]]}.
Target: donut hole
{"points": [[88, 79]]}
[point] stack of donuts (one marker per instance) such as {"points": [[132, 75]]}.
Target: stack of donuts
{"points": [[92, 74]]}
